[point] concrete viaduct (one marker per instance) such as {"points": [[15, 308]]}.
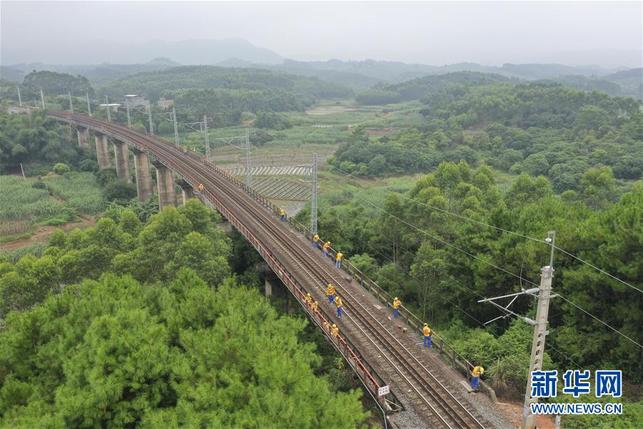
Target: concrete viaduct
{"points": [[165, 183]]}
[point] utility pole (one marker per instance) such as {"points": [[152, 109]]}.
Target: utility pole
{"points": [[176, 129], [71, 103], [129, 118], [109, 115], [19, 97], [313, 199], [207, 137], [540, 330], [42, 99], [248, 172], [149, 118], [89, 106]]}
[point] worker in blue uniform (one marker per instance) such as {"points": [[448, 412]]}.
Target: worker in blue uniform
{"points": [[330, 293], [340, 306]]}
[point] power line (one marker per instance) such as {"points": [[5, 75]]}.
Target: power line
{"points": [[599, 320], [527, 237], [598, 269], [446, 243], [499, 268]]}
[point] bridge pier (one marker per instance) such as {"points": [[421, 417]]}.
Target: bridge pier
{"points": [[102, 151], [144, 189], [165, 184], [83, 136], [187, 191], [121, 155]]}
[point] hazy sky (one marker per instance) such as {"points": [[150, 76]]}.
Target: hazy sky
{"points": [[430, 32]]}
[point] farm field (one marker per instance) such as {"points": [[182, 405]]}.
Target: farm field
{"points": [[27, 204]]}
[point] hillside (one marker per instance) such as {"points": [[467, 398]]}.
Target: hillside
{"points": [[426, 86], [156, 84]]}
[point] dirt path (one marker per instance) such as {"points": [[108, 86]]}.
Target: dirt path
{"points": [[43, 232], [513, 412]]}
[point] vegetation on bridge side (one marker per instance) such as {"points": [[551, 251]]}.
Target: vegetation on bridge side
{"points": [[149, 330], [539, 129], [443, 284]]}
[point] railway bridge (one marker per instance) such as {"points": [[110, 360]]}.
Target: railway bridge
{"points": [[413, 387]]}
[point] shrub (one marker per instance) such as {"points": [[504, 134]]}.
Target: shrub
{"points": [[61, 168]]}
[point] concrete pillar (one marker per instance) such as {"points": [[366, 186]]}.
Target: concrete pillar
{"points": [[267, 287], [143, 177], [121, 157], [83, 136], [165, 184], [102, 154], [187, 191]]}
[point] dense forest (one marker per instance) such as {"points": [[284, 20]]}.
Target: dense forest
{"points": [[34, 139], [140, 324], [540, 129], [434, 247], [56, 83]]}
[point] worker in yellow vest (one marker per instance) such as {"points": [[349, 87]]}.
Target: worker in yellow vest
{"points": [[330, 293], [476, 372], [282, 215], [334, 331], [338, 259], [340, 306], [396, 305], [315, 241], [325, 248], [426, 332]]}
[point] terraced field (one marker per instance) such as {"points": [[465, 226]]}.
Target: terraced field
{"points": [[298, 170], [282, 188]]}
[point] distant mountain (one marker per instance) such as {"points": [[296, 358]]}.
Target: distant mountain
{"points": [[11, 74], [176, 79], [363, 74], [196, 52], [427, 87], [548, 71], [630, 80], [207, 52], [98, 74]]}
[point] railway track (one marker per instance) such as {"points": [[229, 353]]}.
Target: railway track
{"points": [[430, 398]]}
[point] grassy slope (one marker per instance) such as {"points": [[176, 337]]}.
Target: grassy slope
{"points": [[23, 208]]}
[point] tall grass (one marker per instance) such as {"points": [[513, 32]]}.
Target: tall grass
{"points": [[19, 201], [79, 190]]}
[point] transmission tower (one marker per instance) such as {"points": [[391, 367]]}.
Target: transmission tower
{"points": [[540, 325], [540, 331], [248, 166], [206, 137], [149, 117], [89, 106], [176, 128], [313, 198]]}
